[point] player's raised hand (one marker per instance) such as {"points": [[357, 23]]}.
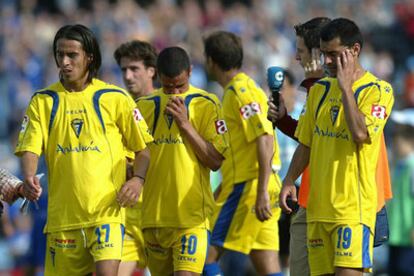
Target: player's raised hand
{"points": [[288, 191], [32, 188], [262, 208], [274, 113], [177, 109], [130, 192], [346, 73]]}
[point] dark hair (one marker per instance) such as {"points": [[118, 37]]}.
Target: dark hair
{"points": [[344, 29], [137, 50], [89, 44], [310, 31], [172, 61], [225, 49]]}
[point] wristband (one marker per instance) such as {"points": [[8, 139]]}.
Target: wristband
{"points": [[140, 177]]}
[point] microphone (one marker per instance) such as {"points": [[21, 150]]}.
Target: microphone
{"points": [[275, 77]]}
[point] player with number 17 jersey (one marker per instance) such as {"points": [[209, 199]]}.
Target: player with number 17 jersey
{"points": [[84, 132]]}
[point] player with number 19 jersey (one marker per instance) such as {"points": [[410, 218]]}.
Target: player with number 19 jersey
{"points": [[85, 132], [336, 196], [236, 226]]}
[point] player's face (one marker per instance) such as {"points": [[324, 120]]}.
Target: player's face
{"points": [[331, 50], [176, 85], [72, 62], [137, 78], [303, 55]]}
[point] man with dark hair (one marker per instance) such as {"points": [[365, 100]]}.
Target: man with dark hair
{"points": [[340, 132], [137, 60], [189, 141], [247, 213], [83, 127], [308, 55]]}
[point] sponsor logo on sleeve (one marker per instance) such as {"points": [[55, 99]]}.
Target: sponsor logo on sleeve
{"points": [[250, 110], [25, 122], [379, 111], [221, 126], [137, 115]]}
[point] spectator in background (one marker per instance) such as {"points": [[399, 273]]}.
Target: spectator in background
{"points": [[137, 61], [401, 208]]}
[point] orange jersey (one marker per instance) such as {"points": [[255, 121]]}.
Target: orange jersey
{"points": [[382, 178]]}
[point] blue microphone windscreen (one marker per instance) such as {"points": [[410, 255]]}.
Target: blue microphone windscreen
{"points": [[275, 77]]}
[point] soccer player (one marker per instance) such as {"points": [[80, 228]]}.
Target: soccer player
{"points": [[340, 135], [308, 56], [10, 188], [83, 127], [137, 60], [247, 213], [189, 141]]}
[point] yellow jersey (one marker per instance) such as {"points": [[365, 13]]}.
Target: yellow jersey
{"points": [[83, 136], [342, 173], [177, 189], [245, 112]]}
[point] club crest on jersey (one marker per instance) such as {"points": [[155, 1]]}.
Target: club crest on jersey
{"points": [[221, 126], [77, 125], [334, 113], [379, 111], [168, 119]]}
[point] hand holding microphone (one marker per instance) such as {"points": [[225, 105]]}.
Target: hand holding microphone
{"points": [[275, 78]]}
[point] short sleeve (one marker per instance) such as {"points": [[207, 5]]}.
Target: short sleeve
{"points": [[306, 122], [31, 134], [252, 108], [376, 102], [133, 126], [213, 127]]}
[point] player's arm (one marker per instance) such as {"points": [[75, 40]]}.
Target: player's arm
{"points": [[205, 151], [10, 187], [31, 184], [131, 190], [300, 161], [264, 145], [355, 119], [281, 119]]}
